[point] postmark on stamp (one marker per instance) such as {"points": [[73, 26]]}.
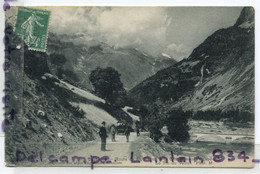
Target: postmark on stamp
{"points": [[32, 25]]}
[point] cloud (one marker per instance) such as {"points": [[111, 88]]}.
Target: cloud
{"points": [[119, 26], [175, 31], [178, 52]]}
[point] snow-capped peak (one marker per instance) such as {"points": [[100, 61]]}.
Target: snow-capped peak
{"points": [[166, 55]]}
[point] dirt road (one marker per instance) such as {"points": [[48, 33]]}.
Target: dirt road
{"points": [[118, 151]]}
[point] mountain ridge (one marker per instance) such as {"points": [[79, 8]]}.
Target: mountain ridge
{"points": [[218, 74], [83, 57]]}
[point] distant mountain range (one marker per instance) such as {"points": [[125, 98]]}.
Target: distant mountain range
{"points": [[83, 54], [219, 73]]}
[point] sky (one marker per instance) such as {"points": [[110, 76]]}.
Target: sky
{"points": [[175, 31]]}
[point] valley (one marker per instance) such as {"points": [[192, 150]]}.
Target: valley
{"points": [[192, 107]]}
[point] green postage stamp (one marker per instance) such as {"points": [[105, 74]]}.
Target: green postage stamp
{"points": [[32, 25]]}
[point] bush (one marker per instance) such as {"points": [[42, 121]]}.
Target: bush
{"points": [[152, 120], [177, 126], [154, 128], [232, 115], [208, 115]]}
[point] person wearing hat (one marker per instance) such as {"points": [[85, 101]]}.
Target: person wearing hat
{"points": [[113, 133], [103, 136], [127, 132]]}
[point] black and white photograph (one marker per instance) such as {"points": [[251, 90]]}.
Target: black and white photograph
{"points": [[98, 86]]}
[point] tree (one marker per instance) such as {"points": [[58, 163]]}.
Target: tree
{"points": [[107, 85], [144, 114], [177, 126], [152, 119]]}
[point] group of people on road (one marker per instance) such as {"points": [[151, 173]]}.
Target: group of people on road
{"points": [[113, 130]]}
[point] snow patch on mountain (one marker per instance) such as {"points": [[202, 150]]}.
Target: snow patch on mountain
{"points": [[82, 92], [134, 117], [166, 55], [95, 114], [247, 24]]}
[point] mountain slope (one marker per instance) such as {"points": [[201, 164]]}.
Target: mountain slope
{"points": [[219, 73], [44, 113], [83, 57]]}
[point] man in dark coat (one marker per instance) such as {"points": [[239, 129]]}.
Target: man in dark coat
{"points": [[127, 132], [103, 136]]}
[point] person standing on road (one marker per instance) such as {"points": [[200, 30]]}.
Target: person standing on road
{"points": [[113, 132], [137, 131], [127, 133], [103, 136], [137, 127]]}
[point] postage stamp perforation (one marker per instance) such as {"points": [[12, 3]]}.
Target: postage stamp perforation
{"points": [[26, 27]]}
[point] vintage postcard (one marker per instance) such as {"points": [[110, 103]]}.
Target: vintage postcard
{"points": [[129, 86]]}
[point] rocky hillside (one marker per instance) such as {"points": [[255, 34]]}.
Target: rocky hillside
{"points": [[42, 115], [84, 55], [219, 73], [45, 113]]}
